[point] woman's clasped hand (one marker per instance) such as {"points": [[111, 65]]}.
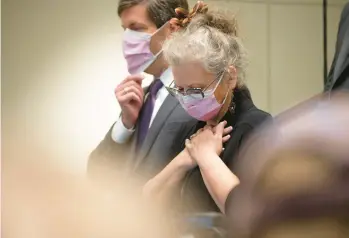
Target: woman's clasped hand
{"points": [[208, 140]]}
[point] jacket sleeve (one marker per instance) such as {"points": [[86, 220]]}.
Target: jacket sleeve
{"points": [[107, 157]]}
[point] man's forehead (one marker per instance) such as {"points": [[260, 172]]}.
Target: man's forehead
{"points": [[134, 15]]}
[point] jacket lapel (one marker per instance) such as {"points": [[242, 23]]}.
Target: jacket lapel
{"points": [[161, 117]]}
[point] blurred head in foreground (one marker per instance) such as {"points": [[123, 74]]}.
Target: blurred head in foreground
{"points": [[297, 185], [41, 201]]}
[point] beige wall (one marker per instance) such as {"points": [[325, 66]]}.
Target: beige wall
{"points": [[61, 60], [284, 39]]}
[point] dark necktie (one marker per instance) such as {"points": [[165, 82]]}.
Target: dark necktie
{"points": [[147, 112]]}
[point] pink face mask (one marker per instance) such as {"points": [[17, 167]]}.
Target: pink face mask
{"points": [[203, 109], [136, 49]]}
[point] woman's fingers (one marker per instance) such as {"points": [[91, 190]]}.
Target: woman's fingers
{"points": [[225, 138], [207, 127], [188, 144], [219, 130], [227, 130], [199, 131], [196, 133]]}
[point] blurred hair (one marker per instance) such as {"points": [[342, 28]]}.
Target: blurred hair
{"points": [[294, 180]]}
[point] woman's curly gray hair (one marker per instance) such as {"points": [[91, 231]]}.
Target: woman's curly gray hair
{"points": [[210, 37]]}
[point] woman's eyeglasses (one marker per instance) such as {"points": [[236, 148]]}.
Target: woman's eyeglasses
{"points": [[196, 93]]}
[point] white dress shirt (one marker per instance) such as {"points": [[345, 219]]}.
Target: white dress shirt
{"points": [[120, 134]]}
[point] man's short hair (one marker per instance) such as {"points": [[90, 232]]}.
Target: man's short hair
{"points": [[159, 11]]}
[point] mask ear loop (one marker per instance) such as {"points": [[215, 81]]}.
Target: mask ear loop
{"points": [[150, 63], [225, 97], [214, 89], [219, 81], [156, 56]]}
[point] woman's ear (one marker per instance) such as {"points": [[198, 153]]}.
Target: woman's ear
{"points": [[232, 81]]}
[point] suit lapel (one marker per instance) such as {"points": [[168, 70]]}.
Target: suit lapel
{"points": [[161, 117]]}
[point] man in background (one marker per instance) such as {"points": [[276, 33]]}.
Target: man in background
{"points": [[151, 121], [338, 78]]}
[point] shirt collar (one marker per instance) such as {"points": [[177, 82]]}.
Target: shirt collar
{"points": [[167, 77]]}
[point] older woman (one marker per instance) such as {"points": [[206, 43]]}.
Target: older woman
{"points": [[209, 63]]}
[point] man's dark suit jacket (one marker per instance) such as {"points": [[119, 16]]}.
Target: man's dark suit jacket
{"points": [[170, 126], [338, 77]]}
